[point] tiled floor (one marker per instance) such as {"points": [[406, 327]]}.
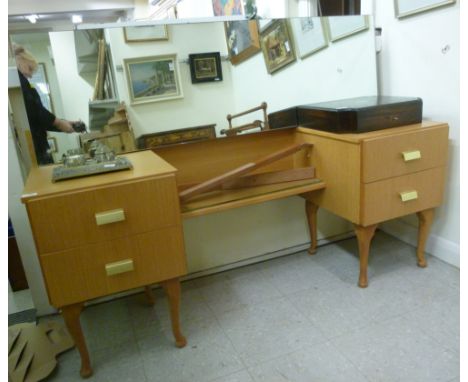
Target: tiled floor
{"points": [[298, 318]]}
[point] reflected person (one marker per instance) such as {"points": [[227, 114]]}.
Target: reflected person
{"points": [[40, 119]]}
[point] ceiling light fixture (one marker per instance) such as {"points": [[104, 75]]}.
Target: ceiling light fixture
{"points": [[77, 19], [32, 18]]}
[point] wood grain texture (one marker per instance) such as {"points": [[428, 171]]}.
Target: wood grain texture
{"points": [[79, 274], [223, 200], [382, 157], [381, 200], [198, 161], [214, 182], [58, 224], [338, 165], [270, 178]]}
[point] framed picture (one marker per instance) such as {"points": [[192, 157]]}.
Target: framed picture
{"points": [[405, 8], [205, 67], [146, 33], [41, 84], [52, 141], [227, 7], [242, 40], [309, 35], [152, 79], [277, 46], [340, 27]]}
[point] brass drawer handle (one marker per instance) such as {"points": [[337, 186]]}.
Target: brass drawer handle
{"points": [[119, 267], [108, 217], [406, 196], [411, 155]]}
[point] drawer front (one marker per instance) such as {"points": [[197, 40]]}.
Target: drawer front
{"points": [[403, 195], [81, 218], [97, 270], [396, 155]]}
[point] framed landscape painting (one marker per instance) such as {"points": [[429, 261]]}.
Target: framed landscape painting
{"points": [[152, 79]]}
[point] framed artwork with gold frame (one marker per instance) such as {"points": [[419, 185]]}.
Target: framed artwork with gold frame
{"points": [[277, 45]]}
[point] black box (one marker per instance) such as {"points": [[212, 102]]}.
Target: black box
{"points": [[352, 115]]}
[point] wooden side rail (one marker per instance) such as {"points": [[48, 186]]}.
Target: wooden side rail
{"points": [[264, 125], [213, 183]]}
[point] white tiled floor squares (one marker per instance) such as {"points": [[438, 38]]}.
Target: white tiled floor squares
{"points": [[298, 318]]}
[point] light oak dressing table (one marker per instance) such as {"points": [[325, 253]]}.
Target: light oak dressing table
{"points": [[365, 178]]}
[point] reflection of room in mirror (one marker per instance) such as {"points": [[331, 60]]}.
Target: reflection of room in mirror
{"points": [[244, 85]]}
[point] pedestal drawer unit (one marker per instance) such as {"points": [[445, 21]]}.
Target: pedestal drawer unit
{"points": [[381, 175], [105, 234]]}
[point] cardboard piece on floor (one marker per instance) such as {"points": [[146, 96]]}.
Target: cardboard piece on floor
{"points": [[32, 350]]}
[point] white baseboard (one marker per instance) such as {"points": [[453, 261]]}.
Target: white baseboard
{"points": [[437, 246]]}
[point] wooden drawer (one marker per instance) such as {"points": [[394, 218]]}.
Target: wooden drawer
{"points": [[69, 220], [382, 200], [79, 274], [383, 158]]}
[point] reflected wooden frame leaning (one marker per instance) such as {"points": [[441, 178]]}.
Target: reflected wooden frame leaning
{"points": [[348, 26], [146, 33], [417, 6], [253, 48]]}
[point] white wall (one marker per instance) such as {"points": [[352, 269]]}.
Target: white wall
{"points": [[420, 57], [200, 104]]}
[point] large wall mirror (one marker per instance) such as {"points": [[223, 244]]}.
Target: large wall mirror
{"points": [[189, 77]]}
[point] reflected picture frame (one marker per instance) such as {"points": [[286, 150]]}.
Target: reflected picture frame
{"points": [[309, 35], [409, 8], [227, 8], [143, 33], [52, 141], [242, 39], [341, 27], [205, 67], [153, 79], [277, 45]]}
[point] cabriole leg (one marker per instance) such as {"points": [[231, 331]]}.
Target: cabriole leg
{"points": [[71, 316], [364, 236], [425, 221], [311, 212], [172, 289]]}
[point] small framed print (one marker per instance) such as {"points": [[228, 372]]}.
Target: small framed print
{"points": [[309, 35], [146, 33], [205, 67], [277, 46]]}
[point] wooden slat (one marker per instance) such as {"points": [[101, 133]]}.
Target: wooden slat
{"points": [[222, 200], [270, 178], [239, 171]]}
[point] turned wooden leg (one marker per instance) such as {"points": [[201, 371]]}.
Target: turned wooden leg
{"points": [[71, 315], [364, 236], [172, 289], [150, 295], [311, 212], [425, 221]]}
